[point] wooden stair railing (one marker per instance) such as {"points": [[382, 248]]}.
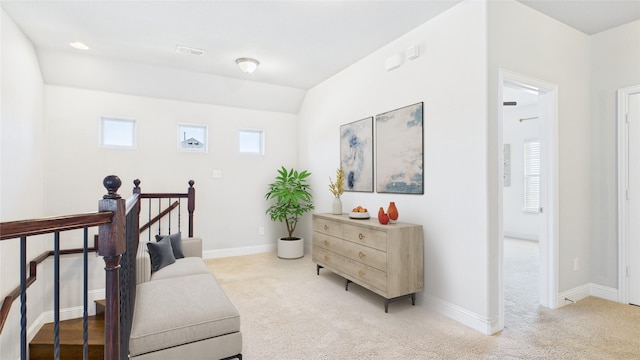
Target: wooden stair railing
{"points": [[118, 233], [110, 219], [33, 276], [190, 195]]}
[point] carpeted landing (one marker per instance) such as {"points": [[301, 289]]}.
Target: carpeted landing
{"points": [[287, 312]]}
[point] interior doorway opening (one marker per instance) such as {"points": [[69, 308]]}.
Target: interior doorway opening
{"points": [[536, 219], [521, 199]]}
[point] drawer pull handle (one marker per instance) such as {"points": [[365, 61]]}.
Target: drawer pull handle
{"points": [[326, 227], [326, 258], [360, 236], [360, 254], [326, 242], [361, 273]]}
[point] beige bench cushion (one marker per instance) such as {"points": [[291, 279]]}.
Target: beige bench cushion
{"points": [[190, 247], [182, 267], [175, 311]]}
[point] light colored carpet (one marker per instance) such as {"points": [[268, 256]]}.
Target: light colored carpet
{"points": [[287, 312]]}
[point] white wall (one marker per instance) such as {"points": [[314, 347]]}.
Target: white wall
{"points": [[21, 166], [615, 63], [229, 210], [517, 223], [454, 205], [525, 41]]}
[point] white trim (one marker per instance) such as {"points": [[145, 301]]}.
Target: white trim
{"points": [[604, 292], [76, 311], [623, 179], [549, 249], [462, 315], [238, 251], [66, 313], [586, 290]]}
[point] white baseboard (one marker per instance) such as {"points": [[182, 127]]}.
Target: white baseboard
{"points": [[65, 314], [239, 251], [586, 290], [462, 315], [604, 292], [77, 311]]}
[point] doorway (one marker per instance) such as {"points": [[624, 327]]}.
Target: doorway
{"points": [[522, 210], [629, 195], [544, 225]]}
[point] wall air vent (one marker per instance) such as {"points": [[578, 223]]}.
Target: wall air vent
{"points": [[188, 50]]}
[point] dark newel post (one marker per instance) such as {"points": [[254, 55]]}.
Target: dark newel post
{"points": [[191, 205], [111, 246], [137, 190]]}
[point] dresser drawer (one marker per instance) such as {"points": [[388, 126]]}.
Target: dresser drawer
{"points": [[366, 255], [328, 227], [328, 242], [366, 274], [328, 258], [365, 236]]}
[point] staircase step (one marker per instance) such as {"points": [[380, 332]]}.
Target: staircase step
{"points": [[100, 306], [71, 342]]}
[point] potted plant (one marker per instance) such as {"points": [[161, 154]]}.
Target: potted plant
{"points": [[292, 200]]}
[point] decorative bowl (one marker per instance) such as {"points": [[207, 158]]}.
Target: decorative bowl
{"points": [[359, 215]]}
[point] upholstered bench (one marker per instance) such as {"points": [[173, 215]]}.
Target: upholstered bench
{"points": [[181, 312]]}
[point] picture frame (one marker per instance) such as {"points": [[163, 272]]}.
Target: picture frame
{"points": [[400, 150], [192, 137], [356, 155]]}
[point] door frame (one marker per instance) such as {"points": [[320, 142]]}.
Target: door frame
{"points": [[623, 187], [548, 94]]}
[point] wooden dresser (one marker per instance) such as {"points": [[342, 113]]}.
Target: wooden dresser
{"points": [[386, 259]]}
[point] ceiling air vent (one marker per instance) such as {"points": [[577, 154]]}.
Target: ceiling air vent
{"points": [[189, 50]]}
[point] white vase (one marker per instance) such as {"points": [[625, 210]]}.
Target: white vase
{"points": [[337, 206]]}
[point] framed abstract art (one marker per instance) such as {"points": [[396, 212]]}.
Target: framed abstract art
{"points": [[399, 151], [356, 155]]}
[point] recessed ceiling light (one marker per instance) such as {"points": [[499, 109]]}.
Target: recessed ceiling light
{"points": [[79, 45]]}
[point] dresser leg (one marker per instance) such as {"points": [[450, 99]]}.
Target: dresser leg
{"points": [[387, 301], [318, 267], [346, 284]]}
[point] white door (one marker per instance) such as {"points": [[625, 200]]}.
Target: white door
{"points": [[633, 119]]}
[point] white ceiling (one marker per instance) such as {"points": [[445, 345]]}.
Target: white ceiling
{"points": [[298, 43]]}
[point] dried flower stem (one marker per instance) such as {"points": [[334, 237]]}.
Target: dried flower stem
{"points": [[337, 187]]}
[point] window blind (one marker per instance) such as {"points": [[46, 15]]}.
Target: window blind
{"points": [[532, 176]]}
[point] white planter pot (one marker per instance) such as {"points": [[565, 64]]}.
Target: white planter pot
{"points": [[290, 249]]}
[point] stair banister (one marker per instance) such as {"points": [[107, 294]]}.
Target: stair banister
{"points": [[111, 246]]}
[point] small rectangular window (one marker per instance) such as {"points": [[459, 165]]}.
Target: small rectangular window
{"points": [[532, 176], [252, 142], [116, 132], [192, 137]]}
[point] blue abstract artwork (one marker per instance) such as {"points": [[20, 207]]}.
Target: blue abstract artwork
{"points": [[356, 155], [399, 151]]}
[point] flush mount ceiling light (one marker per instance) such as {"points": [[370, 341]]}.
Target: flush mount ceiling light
{"points": [[79, 45], [247, 65]]}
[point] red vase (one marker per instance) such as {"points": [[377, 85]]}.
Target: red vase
{"points": [[382, 217], [392, 211]]}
